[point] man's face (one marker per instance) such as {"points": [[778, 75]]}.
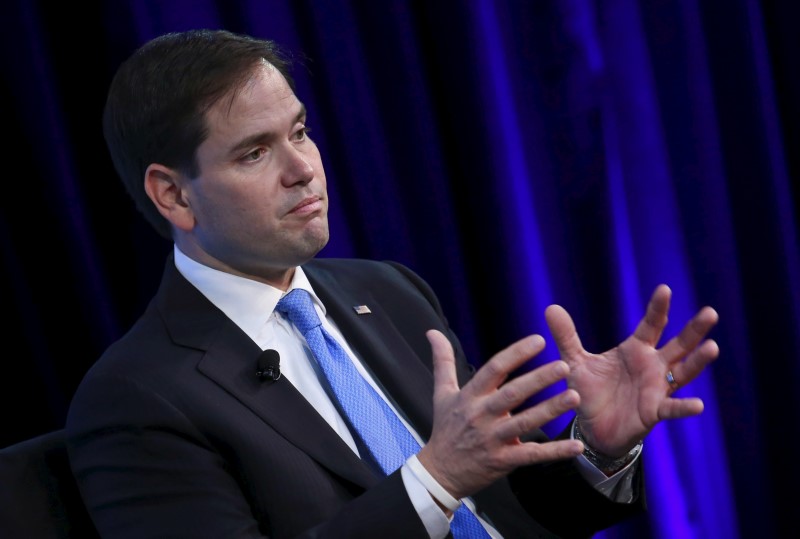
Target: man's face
{"points": [[260, 203]]}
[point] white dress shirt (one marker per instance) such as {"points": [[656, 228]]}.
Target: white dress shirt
{"points": [[251, 306]]}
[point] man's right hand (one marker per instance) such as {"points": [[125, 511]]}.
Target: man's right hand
{"points": [[475, 438]]}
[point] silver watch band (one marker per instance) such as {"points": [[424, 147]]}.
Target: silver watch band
{"points": [[607, 465]]}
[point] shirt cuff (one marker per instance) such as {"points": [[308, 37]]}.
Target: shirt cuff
{"points": [[433, 518]]}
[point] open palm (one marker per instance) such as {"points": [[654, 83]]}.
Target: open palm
{"points": [[624, 391]]}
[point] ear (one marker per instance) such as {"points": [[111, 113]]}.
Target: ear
{"points": [[164, 186]]}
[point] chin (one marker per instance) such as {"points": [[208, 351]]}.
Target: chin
{"points": [[320, 235], [323, 241], [314, 242]]}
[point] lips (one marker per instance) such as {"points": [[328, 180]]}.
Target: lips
{"points": [[307, 205]]}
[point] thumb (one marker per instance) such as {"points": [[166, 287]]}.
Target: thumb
{"points": [[564, 333], [445, 381]]}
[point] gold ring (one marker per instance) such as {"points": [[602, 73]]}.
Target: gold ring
{"points": [[671, 381]]}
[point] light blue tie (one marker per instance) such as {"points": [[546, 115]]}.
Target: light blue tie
{"points": [[378, 428]]}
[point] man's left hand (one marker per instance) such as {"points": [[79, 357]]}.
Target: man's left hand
{"points": [[625, 391]]}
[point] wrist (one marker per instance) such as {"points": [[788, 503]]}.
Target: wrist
{"points": [[607, 464]]}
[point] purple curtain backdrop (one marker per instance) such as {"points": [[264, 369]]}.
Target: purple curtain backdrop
{"points": [[515, 154]]}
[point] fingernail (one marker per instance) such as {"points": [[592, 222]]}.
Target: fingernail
{"points": [[569, 398]]}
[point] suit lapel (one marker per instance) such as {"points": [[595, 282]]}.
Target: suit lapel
{"points": [[230, 360], [390, 358]]}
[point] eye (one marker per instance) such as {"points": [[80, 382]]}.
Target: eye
{"points": [[255, 155], [301, 134]]}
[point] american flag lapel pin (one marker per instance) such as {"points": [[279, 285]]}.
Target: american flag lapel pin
{"points": [[361, 309]]}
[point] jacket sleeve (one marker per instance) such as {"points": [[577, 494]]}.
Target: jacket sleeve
{"points": [[144, 470], [555, 495]]}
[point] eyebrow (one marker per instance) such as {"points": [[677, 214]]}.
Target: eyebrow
{"points": [[263, 136]]}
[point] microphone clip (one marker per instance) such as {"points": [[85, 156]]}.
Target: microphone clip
{"points": [[269, 373], [269, 366]]}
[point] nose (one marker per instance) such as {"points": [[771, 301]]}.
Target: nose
{"points": [[297, 167]]}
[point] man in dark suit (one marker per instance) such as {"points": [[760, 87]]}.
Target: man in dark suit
{"points": [[172, 433]]}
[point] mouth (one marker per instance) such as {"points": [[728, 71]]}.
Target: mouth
{"points": [[307, 206]]}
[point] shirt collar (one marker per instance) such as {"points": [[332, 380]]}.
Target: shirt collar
{"points": [[248, 303]]}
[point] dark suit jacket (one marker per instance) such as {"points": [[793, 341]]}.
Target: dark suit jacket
{"points": [[171, 433]]}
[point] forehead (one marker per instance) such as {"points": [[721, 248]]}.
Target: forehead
{"points": [[264, 94]]}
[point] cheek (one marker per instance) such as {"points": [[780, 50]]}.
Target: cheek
{"points": [[256, 212], [222, 207], [246, 194]]}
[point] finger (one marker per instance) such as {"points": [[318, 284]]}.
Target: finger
{"points": [[680, 408], [514, 392], [690, 336], [655, 319], [535, 453], [564, 333], [445, 381], [495, 371], [534, 417], [695, 363]]}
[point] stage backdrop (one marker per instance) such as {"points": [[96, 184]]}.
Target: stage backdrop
{"points": [[514, 153]]}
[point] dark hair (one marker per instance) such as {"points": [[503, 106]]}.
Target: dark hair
{"points": [[155, 109]]}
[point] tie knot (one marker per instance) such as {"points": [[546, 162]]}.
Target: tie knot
{"points": [[299, 308]]}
